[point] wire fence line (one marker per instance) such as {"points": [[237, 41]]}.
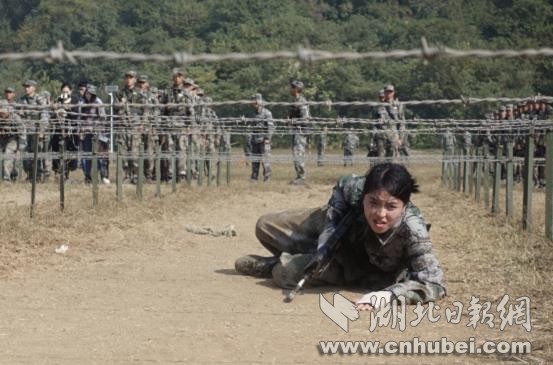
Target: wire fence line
{"points": [[58, 53]]}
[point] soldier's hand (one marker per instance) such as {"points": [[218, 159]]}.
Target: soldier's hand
{"points": [[374, 300]]}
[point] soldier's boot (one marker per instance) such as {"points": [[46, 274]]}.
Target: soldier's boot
{"points": [[254, 265]]}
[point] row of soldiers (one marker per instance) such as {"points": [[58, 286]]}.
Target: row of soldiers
{"points": [[498, 137], [75, 122]]}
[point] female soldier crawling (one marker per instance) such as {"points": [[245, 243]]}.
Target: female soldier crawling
{"points": [[386, 248]]}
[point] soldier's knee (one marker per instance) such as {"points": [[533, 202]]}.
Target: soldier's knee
{"points": [[262, 227], [285, 276]]}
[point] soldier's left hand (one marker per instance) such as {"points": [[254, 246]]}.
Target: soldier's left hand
{"points": [[374, 300]]}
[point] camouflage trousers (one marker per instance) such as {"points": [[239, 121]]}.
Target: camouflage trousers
{"points": [[321, 149], [44, 164], [130, 143], [298, 151], [348, 156], [261, 156], [292, 236], [8, 147]]}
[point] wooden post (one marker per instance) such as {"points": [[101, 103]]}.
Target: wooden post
{"points": [[209, 163], [94, 172], [466, 171], [140, 180], [228, 166], [548, 185], [20, 166], [62, 174], [529, 179], [470, 168], [218, 173], [174, 171], [486, 177], [119, 173], [460, 170], [497, 179], [189, 161], [444, 176], [35, 170], [200, 166], [158, 170], [509, 184], [478, 182]]}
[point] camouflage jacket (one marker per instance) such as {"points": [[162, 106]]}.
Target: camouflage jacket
{"points": [[264, 127], [299, 115], [351, 141], [32, 115], [401, 260], [124, 100]]}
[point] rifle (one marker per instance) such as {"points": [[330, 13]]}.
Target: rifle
{"points": [[322, 259]]}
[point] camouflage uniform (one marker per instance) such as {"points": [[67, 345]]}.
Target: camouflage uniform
{"points": [[401, 261], [30, 119], [208, 124], [299, 114], [321, 141], [181, 117], [129, 122], [12, 140], [148, 126], [351, 142], [396, 114], [261, 142]]}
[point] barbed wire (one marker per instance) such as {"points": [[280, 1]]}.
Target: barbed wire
{"points": [[58, 53]]}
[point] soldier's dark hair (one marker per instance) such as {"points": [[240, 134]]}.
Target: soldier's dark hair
{"points": [[65, 84], [393, 178]]}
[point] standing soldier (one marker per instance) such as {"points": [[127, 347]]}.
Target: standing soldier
{"points": [[12, 140], [377, 137], [94, 127], [396, 114], [65, 134], [208, 122], [321, 141], [33, 115], [148, 124], [351, 142], [448, 146], [179, 111], [129, 115], [261, 138], [299, 116]]}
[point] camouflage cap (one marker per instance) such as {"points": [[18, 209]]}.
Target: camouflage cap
{"points": [[257, 98], [509, 106], [154, 90], [297, 84], [389, 87], [502, 108], [29, 83], [131, 73], [45, 94], [91, 89], [142, 78], [9, 89], [189, 81], [178, 71], [381, 92]]}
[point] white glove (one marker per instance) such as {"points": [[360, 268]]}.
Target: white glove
{"points": [[376, 299]]}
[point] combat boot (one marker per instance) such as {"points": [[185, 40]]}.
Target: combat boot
{"points": [[254, 265]]}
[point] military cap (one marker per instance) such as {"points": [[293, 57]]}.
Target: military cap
{"points": [[389, 87], [154, 90], [131, 73], [179, 71], [509, 106], [200, 92], [29, 83], [297, 84], [381, 92], [258, 98], [189, 81], [502, 108], [142, 78], [9, 89], [45, 94], [91, 89]]}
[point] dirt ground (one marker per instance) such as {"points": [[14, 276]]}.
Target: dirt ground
{"points": [[136, 287]]}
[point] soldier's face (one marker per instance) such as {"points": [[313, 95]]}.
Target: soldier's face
{"points": [[389, 95], [30, 90], [294, 91], [9, 95], [502, 115], [178, 79], [82, 90], [130, 81], [382, 210]]}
